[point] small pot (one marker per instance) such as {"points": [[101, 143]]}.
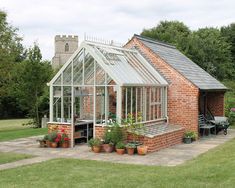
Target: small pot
{"points": [[65, 145], [187, 140], [42, 143], [142, 150], [108, 148], [54, 144], [130, 151], [120, 151], [96, 149]]}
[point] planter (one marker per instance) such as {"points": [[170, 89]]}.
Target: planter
{"points": [[142, 150], [120, 151], [42, 143], [96, 149], [136, 143], [53, 144], [108, 148], [65, 145], [187, 140], [130, 151], [48, 143]]}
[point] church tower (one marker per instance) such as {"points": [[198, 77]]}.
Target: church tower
{"points": [[65, 46]]}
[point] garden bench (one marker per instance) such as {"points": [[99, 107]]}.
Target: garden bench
{"points": [[205, 125]]}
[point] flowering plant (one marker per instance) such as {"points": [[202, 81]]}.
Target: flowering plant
{"points": [[65, 138]]}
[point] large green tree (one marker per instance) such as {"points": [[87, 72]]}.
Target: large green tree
{"points": [[29, 84], [11, 52], [207, 47], [173, 32]]}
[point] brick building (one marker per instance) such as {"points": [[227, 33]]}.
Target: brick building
{"points": [[100, 82]]}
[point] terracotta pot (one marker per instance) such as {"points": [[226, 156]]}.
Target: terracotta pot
{"points": [[54, 144], [65, 145], [48, 143], [96, 149], [130, 151], [120, 151], [142, 150], [108, 148]]}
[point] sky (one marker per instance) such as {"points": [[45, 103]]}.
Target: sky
{"points": [[39, 21]]}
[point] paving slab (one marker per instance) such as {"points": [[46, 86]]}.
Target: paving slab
{"points": [[171, 156]]}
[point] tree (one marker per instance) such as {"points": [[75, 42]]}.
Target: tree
{"points": [[29, 83], [172, 32], [207, 47]]}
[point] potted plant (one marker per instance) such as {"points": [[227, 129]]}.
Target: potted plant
{"points": [[97, 145], [189, 136], [52, 138], [130, 148], [46, 138], [135, 128], [107, 143], [64, 140], [142, 149], [120, 148], [42, 142], [91, 143]]}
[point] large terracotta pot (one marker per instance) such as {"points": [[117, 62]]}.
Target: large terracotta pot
{"points": [[120, 151], [108, 148], [65, 145], [54, 144], [142, 150], [96, 149], [130, 151]]}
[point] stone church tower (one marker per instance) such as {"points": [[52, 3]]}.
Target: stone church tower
{"points": [[65, 46]]}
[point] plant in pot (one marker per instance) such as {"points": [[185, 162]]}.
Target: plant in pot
{"points": [[52, 138], [97, 145], [108, 145], [134, 127], [46, 138], [142, 149], [120, 148], [130, 148], [189, 136], [64, 140], [42, 142], [91, 143]]}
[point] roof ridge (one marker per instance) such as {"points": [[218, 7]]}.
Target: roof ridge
{"points": [[148, 39]]}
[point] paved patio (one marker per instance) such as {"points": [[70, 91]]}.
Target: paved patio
{"points": [[172, 156]]}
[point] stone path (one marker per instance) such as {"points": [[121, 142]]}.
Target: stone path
{"points": [[172, 156]]}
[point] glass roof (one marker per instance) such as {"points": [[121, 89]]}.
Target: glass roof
{"points": [[126, 67]]}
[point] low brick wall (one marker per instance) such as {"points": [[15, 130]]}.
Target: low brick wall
{"points": [[59, 127], [155, 143]]}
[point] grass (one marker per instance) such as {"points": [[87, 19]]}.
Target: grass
{"points": [[212, 169], [7, 157], [13, 129]]}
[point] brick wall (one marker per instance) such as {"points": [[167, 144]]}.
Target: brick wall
{"points": [[215, 102], [183, 96]]}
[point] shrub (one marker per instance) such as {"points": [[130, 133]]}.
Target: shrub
{"points": [[120, 145]]}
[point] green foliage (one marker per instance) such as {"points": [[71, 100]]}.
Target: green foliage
{"points": [[113, 134], [190, 134], [52, 136], [91, 142], [97, 142], [210, 48], [120, 145], [29, 84], [134, 127], [130, 145]]}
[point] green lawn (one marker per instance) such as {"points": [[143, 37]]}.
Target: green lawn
{"points": [[7, 157], [215, 168], [13, 129]]}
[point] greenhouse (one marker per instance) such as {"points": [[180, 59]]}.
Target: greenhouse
{"points": [[102, 83]]}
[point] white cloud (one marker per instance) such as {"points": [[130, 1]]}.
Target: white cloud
{"points": [[118, 20]]}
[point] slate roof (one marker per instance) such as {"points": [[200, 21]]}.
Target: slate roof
{"points": [[183, 64]]}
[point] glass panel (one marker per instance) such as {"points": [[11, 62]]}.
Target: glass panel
{"points": [[100, 75], [100, 105], [58, 81], [77, 69], [67, 74], [112, 104], [67, 104], [89, 71], [57, 104]]}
